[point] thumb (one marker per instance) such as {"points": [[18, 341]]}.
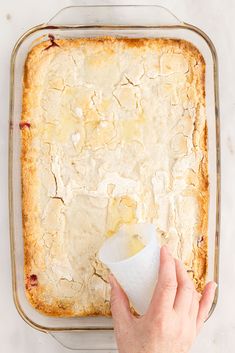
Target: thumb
{"points": [[120, 305]]}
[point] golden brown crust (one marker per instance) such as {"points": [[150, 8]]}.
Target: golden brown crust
{"points": [[61, 294]]}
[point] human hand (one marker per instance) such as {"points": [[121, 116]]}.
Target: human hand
{"points": [[175, 315]]}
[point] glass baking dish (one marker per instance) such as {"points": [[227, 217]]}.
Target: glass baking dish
{"points": [[96, 333]]}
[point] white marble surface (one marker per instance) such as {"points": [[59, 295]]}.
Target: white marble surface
{"points": [[217, 19]]}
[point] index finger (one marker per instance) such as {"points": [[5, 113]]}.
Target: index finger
{"points": [[165, 291]]}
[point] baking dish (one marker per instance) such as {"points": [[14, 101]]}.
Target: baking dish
{"points": [[96, 333]]}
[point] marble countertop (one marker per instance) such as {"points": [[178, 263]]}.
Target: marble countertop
{"points": [[216, 18]]}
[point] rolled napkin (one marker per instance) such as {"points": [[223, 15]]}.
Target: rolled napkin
{"points": [[132, 255]]}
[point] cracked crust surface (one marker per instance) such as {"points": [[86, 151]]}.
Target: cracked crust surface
{"points": [[113, 132]]}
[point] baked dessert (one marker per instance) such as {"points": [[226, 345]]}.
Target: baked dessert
{"points": [[113, 131]]}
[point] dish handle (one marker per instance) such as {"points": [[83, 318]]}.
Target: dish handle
{"points": [[87, 340], [114, 15]]}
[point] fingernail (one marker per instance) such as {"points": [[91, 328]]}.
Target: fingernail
{"points": [[215, 285], [165, 249], [111, 280]]}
